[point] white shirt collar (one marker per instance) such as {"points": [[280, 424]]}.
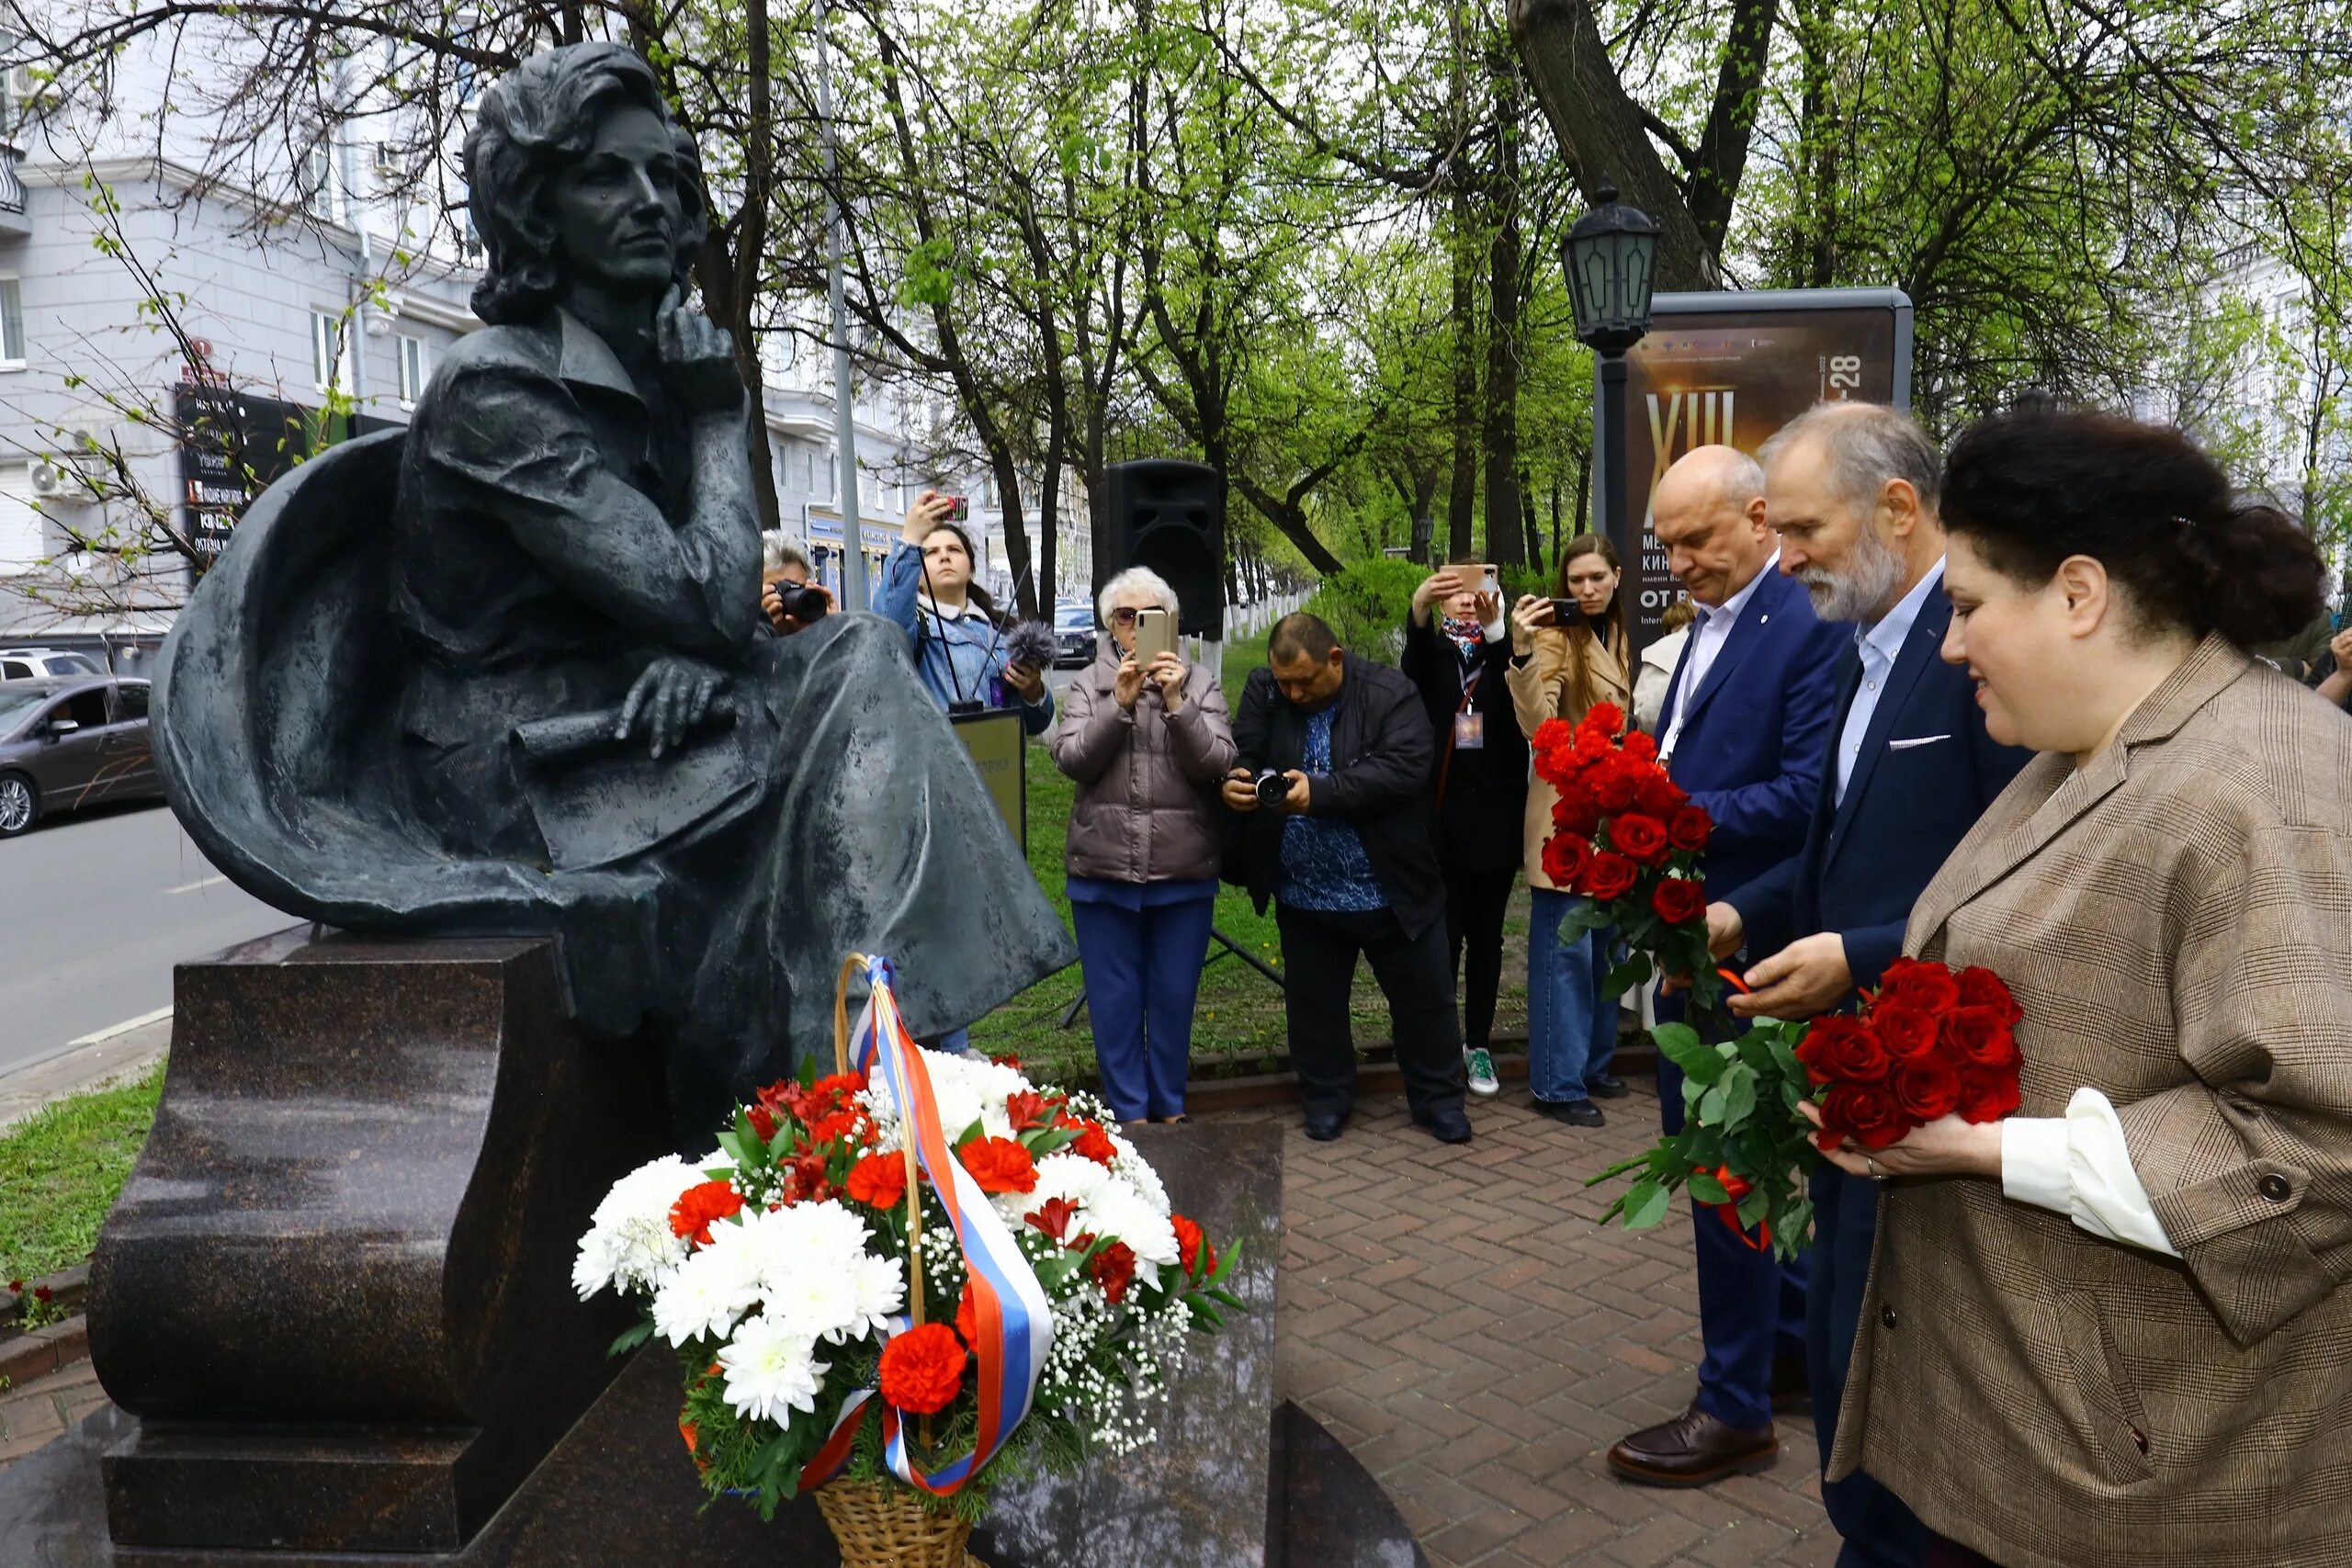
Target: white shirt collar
{"points": [[1887, 637], [944, 611], [1730, 608]]}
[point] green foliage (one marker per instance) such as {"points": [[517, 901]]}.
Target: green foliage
{"points": [[60, 1168], [1367, 604]]}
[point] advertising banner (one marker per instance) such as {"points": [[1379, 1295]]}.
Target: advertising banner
{"points": [[1733, 368]]}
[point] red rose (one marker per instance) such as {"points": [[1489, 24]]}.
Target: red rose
{"points": [[1979, 1035], [1688, 829], [999, 1165], [1608, 878], [1577, 813], [1983, 988], [1908, 1034], [1642, 745], [697, 1206], [1660, 796], [1987, 1094], [1565, 859], [1678, 902], [1613, 786], [1864, 1113], [922, 1370], [1092, 1143], [1053, 1217], [1644, 838], [1926, 1090], [1114, 1268], [1603, 719], [878, 1181], [1838, 1049], [1192, 1247], [1927, 985]]}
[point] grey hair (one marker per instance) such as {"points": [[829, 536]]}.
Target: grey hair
{"points": [[780, 551], [1128, 581], [1867, 445]]}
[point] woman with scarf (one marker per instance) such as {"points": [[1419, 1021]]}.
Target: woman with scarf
{"points": [[1456, 651], [1564, 672], [958, 639]]}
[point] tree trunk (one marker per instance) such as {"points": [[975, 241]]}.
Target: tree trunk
{"points": [[1461, 493], [1527, 519], [1505, 540], [1601, 130]]}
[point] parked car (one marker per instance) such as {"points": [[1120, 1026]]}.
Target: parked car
{"points": [[1074, 636], [41, 663], [71, 742]]}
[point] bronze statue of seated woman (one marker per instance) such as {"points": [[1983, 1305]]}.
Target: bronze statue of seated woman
{"points": [[505, 672]]}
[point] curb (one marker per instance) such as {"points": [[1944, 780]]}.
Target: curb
{"points": [[1371, 1078], [44, 1351]]}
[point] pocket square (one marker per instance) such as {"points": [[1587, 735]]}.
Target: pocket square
{"points": [[1920, 740]]}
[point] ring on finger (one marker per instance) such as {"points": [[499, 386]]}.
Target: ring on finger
{"points": [[1871, 1165]]}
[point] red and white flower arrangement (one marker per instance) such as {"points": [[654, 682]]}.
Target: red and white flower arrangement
{"points": [[790, 1272]]}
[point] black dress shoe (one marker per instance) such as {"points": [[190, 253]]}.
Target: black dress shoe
{"points": [[1691, 1450], [1447, 1126], [1324, 1125], [1607, 1086], [1791, 1387], [1575, 1113]]}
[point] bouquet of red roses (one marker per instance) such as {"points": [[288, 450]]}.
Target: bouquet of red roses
{"points": [[1626, 837], [1928, 1043]]}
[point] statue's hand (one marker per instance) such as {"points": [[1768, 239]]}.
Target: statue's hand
{"points": [[698, 361], [668, 700]]}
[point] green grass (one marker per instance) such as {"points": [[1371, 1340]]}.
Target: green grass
{"points": [[60, 1171]]}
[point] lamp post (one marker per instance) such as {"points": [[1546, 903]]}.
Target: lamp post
{"points": [[1612, 259]]}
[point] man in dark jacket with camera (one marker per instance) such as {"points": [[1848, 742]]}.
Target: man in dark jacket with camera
{"points": [[1335, 757]]}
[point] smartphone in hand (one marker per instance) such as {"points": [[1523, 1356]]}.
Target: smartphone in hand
{"points": [[1155, 634], [1568, 612]]}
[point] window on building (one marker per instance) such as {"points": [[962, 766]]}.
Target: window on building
{"points": [[414, 370], [12, 324], [328, 350], [22, 547]]}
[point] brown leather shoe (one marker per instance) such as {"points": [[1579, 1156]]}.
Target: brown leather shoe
{"points": [[1691, 1450]]}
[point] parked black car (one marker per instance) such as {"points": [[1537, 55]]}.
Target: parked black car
{"points": [[67, 744], [1073, 635]]}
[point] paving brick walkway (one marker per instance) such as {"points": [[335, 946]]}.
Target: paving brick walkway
{"points": [[1463, 1323], [33, 1413]]}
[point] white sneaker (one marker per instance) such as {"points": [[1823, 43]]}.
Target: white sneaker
{"points": [[1480, 1066]]}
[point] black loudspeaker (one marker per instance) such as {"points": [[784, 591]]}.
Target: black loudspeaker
{"points": [[1170, 516]]}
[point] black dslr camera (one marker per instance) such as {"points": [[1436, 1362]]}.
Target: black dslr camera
{"points": [[1271, 787], [800, 602]]}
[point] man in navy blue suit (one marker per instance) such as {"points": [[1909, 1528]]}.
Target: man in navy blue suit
{"points": [[1851, 490], [1744, 730]]}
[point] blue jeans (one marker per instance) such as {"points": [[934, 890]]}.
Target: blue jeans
{"points": [[1143, 973], [1566, 1044]]}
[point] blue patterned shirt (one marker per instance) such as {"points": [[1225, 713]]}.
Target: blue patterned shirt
{"points": [[1324, 866]]}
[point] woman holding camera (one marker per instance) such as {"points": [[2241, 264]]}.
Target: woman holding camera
{"points": [[1457, 651], [958, 637], [1145, 739], [1568, 657]]}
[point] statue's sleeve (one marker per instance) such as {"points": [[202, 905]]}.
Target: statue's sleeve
{"points": [[512, 444]]}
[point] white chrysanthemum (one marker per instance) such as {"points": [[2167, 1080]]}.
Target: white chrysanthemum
{"points": [[717, 1160], [804, 1259], [881, 1289], [706, 1293], [628, 1241], [1072, 1178], [771, 1371], [1119, 1210]]}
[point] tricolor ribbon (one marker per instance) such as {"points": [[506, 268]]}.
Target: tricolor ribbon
{"points": [[1015, 1325]]}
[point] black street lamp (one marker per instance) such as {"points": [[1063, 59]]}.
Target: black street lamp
{"points": [[1612, 258]]}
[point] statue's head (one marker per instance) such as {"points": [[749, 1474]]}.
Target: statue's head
{"points": [[579, 174]]}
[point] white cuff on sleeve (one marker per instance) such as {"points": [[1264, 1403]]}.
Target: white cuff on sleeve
{"points": [[1499, 629], [2078, 1166]]}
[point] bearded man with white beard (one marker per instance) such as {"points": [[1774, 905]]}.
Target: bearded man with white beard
{"points": [[1851, 488]]}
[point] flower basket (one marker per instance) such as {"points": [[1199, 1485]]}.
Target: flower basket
{"points": [[887, 1526]]}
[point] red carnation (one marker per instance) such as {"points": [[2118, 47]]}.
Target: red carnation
{"points": [[1838, 1049], [1642, 745], [1613, 786], [1053, 1217], [697, 1206], [1607, 718], [999, 1165], [1927, 985], [1864, 1113], [1092, 1143], [1925, 1090], [1678, 902], [1644, 838], [1114, 1268], [1577, 813], [1983, 988], [878, 1181], [1979, 1035], [922, 1370], [1193, 1247], [1551, 733], [1589, 747], [1987, 1094], [1659, 795], [1688, 829], [1608, 878], [1908, 1033], [1565, 859]]}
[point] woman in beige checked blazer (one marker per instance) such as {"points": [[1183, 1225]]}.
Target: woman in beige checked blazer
{"points": [[2112, 1330]]}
